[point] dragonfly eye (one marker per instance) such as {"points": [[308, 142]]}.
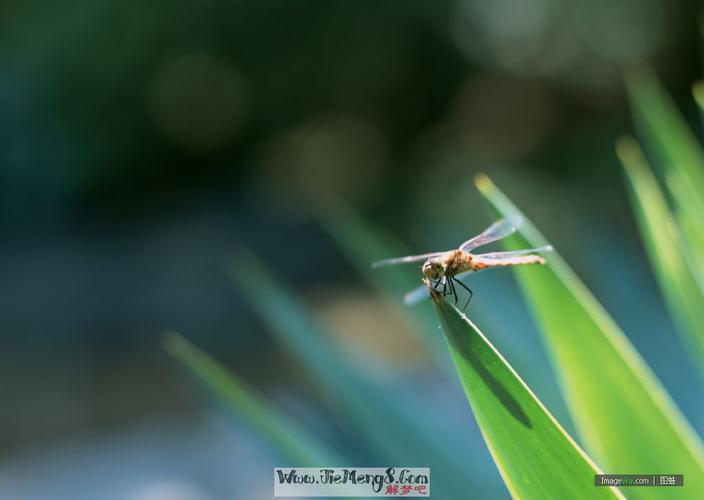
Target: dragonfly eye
{"points": [[433, 270]]}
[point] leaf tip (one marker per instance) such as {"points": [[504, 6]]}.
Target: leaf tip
{"points": [[625, 145], [434, 294], [483, 183], [173, 342], [629, 153], [698, 92], [637, 75]]}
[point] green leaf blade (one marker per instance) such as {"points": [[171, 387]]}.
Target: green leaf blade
{"points": [[689, 210], [683, 293], [384, 423], [303, 449], [664, 128], [536, 457], [626, 419], [363, 245], [679, 155]]}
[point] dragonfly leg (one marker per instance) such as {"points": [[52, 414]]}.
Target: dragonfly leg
{"points": [[471, 293], [454, 290]]}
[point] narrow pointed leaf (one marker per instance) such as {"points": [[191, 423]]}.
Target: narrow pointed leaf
{"points": [[689, 209], [679, 156], [397, 426], [664, 129], [302, 448], [363, 245], [623, 415], [536, 457], [683, 294], [698, 93]]}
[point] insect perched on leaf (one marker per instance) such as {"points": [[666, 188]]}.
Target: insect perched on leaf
{"points": [[447, 269]]}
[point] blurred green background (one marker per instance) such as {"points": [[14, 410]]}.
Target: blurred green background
{"points": [[143, 146]]}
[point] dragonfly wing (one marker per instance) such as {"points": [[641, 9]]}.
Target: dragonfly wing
{"points": [[497, 231], [513, 258], [514, 253], [416, 295], [404, 260]]}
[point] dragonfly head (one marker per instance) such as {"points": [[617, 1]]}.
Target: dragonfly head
{"points": [[434, 268]]}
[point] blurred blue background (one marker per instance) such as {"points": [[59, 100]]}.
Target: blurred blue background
{"points": [[143, 145]]}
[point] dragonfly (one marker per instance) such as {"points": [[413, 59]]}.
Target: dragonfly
{"points": [[443, 271]]}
